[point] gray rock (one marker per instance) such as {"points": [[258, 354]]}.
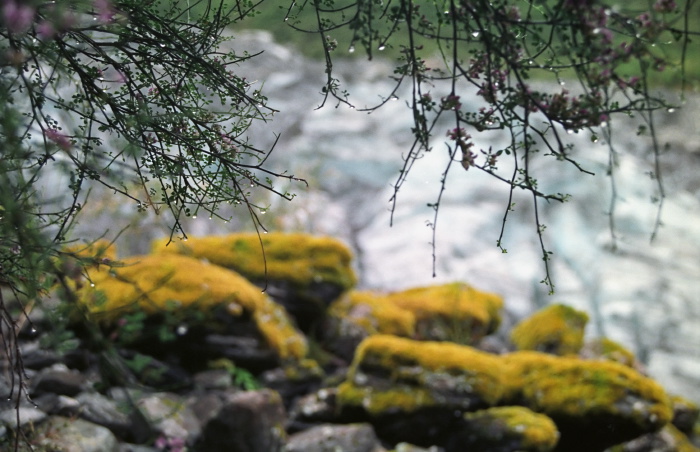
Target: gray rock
{"points": [[73, 435], [213, 379], [100, 410], [332, 438], [58, 380], [170, 416], [247, 422], [27, 415]]}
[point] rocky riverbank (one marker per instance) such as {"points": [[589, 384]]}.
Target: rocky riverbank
{"points": [[179, 350]]}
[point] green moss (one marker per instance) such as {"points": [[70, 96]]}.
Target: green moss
{"points": [[461, 312], [556, 329], [300, 259], [573, 388], [501, 425], [158, 282]]}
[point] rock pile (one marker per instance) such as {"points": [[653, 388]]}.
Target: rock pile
{"points": [[179, 350]]}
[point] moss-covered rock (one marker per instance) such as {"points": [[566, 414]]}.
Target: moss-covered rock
{"points": [[455, 312], [411, 390], [607, 349], [303, 272], [668, 439], [506, 429], [391, 374], [167, 283], [595, 404], [557, 329], [685, 414]]}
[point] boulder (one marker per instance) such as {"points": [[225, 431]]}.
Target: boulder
{"points": [[505, 429], [70, 435], [668, 439], [249, 421], [595, 404], [170, 417], [456, 312], [302, 272], [331, 438], [557, 329], [607, 349], [415, 391], [171, 299]]}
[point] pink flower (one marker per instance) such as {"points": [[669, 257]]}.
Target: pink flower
{"points": [[45, 30], [105, 11], [59, 138], [18, 18]]}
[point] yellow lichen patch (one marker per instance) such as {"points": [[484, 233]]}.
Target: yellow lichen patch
{"points": [[556, 329], [574, 388], [464, 313], [396, 399], [428, 373], [501, 425], [301, 259], [374, 314], [604, 348], [158, 282], [682, 443]]}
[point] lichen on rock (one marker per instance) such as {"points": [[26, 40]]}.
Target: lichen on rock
{"points": [[391, 374], [456, 312], [507, 428], [594, 403], [302, 272], [557, 329], [167, 282]]}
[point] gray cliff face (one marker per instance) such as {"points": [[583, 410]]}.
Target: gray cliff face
{"points": [[645, 295]]}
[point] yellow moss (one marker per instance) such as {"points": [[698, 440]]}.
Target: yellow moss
{"points": [[608, 349], [556, 329], [411, 366], [157, 282], [374, 314], [573, 387], [301, 259], [682, 443], [398, 398], [457, 305], [537, 432]]}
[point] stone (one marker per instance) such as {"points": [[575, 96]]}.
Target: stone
{"points": [[100, 410], [72, 435], [248, 421], [557, 329], [57, 380], [456, 312], [170, 416], [314, 408], [505, 429], [331, 438], [179, 286], [595, 404], [302, 272]]}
